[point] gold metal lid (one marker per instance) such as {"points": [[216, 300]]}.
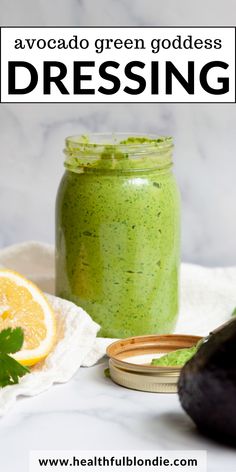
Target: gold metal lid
{"points": [[129, 362]]}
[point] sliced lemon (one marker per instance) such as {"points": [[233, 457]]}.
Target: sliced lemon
{"points": [[23, 305]]}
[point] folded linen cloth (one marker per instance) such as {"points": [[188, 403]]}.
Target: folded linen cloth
{"points": [[208, 298]]}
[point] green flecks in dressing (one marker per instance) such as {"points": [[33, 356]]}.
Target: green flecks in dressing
{"points": [[175, 358], [118, 239]]}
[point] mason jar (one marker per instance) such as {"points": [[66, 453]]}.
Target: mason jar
{"points": [[118, 233]]}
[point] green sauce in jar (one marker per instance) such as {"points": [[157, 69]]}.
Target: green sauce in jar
{"points": [[117, 233]]}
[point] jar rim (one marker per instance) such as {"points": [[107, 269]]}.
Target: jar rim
{"points": [[85, 150], [96, 141]]}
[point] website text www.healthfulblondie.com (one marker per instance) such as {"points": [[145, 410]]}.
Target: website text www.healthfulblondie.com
{"points": [[88, 461]]}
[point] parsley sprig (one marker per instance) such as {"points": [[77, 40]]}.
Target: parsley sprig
{"points": [[11, 341]]}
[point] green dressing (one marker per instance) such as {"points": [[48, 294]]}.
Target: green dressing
{"points": [[117, 234]]}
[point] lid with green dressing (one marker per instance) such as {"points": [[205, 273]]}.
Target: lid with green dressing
{"points": [[130, 361]]}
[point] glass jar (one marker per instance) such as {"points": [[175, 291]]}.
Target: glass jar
{"points": [[118, 233]]}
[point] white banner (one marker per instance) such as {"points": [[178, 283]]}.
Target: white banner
{"points": [[118, 461], [117, 64]]}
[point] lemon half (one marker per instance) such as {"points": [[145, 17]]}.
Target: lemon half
{"points": [[23, 305]]}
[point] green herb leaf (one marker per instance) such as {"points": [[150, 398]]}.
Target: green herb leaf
{"points": [[10, 370], [11, 340]]}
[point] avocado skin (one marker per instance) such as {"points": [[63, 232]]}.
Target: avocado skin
{"points": [[207, 385]]}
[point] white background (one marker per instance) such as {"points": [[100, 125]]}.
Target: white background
{"points": [[31, 136], [90, 411]]}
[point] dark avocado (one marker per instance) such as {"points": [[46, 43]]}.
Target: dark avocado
{"points": [[207, 385]]}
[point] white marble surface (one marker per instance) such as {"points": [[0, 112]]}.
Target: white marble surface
{"points": [[90, 412], [31, 136]]}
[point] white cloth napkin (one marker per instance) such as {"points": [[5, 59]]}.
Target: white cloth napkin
{"points": [[76, 331], [208, 298]]}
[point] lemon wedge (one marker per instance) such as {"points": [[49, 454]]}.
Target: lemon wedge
{"points": [[23, 305]]}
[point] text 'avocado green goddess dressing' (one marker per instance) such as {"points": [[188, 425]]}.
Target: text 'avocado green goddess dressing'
{"points": [[117, 233]]}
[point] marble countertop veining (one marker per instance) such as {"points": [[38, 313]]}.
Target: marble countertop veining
{"points": [[90, 412]]}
